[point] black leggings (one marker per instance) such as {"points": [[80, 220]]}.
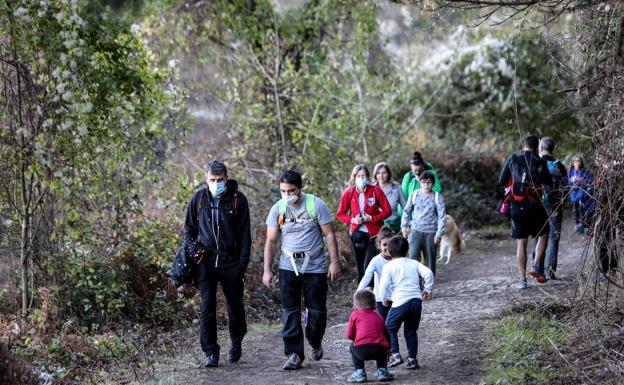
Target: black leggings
{"points": [[367, 352], [363, 253]]}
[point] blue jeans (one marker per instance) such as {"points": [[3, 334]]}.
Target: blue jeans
{"points": [[554, 235], [552, 249], [407, 314], [314, 289]]}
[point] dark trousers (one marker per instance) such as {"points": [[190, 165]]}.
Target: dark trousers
{"points": [[232, 285], [314, 289], [368, 352], [363, 255], [407, 314], [382, 310], [607, 255]]}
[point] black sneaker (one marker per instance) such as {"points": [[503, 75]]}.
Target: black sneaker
{"points": [[234, 354], [211, 361], [412, 363], [317, 353]]}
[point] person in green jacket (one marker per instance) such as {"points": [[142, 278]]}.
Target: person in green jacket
{"points": [[410, 179]]}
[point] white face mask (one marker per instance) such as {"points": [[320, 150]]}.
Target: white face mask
{"points": [[291, 200]]}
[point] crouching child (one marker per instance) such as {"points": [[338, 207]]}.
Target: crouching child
{"points": [[370, 337], [400, 283]]}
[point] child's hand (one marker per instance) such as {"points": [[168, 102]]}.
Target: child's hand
{"points": [[426, 296]]}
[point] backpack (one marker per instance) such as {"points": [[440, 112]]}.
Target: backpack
{"points": [[310, 208], [551, 195], [436, 199], [523, 175], [190, 255]]}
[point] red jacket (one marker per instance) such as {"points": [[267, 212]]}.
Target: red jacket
{"points": [[367, 327], [375, 204]]}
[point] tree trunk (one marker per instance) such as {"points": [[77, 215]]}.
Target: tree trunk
{"points": [[24, 264]]}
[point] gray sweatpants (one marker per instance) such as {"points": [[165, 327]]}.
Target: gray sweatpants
{"points": [[419, 241]]}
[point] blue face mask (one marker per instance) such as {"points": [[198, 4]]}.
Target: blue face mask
{"points": [[216, 188], [361, 183]]}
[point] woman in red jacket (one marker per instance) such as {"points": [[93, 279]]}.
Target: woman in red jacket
{"points": [[363, 207]]}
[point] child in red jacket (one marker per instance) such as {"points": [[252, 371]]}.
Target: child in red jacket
{"points": [[370, 337]]}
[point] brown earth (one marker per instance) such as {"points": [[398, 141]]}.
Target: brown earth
{"points": [[472, 290]]}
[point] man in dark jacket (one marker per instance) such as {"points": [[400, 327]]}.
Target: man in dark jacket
{"points": [[554, 202], [526, 174], [219, 216]]}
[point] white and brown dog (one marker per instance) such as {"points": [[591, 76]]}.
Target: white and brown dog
{"points": [[452, 242]]}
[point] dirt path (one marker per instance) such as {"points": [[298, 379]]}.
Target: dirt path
{"points": [[469, 292]]}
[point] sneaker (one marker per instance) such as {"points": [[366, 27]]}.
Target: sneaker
{"points": [[395, 360], [211, 361], [602, 279], [317, 353], [234, 354], [412, 363], [538, 276], [383, 374], [292, 363], [358, 376], [552, 275], [522, 284]]}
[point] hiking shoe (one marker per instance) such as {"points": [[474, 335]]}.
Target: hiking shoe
{"points": [[383, 374], [358, 376], [211, 361], [412, 363], [292, 363], [234, 354], [395, 360], [552, 275], [317, 353], [522, 284]]}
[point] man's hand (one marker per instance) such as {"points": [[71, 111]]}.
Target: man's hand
{"points": [[385, 302], [437, 239], [267, 279], [334, 271], [426, 296]]}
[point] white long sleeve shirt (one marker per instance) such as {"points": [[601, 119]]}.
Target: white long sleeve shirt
{"points": [[400, 280], [374, 270]]}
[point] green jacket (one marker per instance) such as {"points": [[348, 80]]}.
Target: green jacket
{"points": [[410, 183]]}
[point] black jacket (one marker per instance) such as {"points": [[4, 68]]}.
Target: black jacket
{"points": [[224, 230]]}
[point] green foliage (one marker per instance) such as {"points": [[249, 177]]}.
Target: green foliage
{"points": [[306, 88], [521, 349], [489, 91], [84, 113]]}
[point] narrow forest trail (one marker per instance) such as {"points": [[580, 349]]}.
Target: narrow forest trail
{"points": [[473, 289]]}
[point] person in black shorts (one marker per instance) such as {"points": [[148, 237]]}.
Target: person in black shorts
{"points": [[525, 174]]}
